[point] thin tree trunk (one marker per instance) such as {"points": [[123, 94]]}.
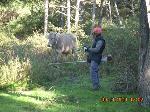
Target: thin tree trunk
{"points": [[93, 12], [148, 10], [68, 16], [62, 16], [93, 15], [81, 10], [110, 17], [77, 13], [144, 58], [132, 6], [46, 17], [100, 13], [118, 16]]}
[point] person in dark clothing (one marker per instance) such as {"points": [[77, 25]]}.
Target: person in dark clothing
{"points": [[95, 55]]}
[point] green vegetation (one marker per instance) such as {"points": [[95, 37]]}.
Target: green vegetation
{"points": [[33, 85], [69, 94], [28, 81], [28, 61]]}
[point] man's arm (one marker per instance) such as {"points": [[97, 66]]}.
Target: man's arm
{"points": [[97, 48]]}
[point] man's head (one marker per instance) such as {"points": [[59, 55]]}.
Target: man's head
{"points": [[97, 30]]}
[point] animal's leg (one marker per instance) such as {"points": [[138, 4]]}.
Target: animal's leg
{"points": [[56, 57], [75, 54], [53, 55], [65, 57], [59, 56]]}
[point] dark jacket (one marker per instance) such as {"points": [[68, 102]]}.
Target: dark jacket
{"points": [[95, 53]]}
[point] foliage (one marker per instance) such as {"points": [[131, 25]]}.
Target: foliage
{"points": [[14, 74], [69, 94], [123, 47], [22, 18], [122, 43], [26, 63], [34, 52]]}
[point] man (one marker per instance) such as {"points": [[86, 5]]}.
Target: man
{"points": [[95, 55]]}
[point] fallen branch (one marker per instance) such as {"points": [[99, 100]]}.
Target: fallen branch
{"points": [[74, 62], [104, 59]]}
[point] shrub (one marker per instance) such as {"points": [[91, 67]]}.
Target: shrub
{"points": [[14, 72], [122, 42]]}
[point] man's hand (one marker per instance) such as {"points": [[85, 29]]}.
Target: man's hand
{"points": [[48, 46], [86, 48]]}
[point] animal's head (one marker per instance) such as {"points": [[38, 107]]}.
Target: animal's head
{"points": [[52, 39]]}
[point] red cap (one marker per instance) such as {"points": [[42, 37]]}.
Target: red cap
{"points": [[97, 30]]}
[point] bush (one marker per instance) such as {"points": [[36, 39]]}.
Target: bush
{"points": [[14, 72], [16, 58], [122, 42]]}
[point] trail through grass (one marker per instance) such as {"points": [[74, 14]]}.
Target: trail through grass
{"points": [[70, 94]]}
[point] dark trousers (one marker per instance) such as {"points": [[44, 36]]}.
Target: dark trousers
{"points": [[94, 74]]}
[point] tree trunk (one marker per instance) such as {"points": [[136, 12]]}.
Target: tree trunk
{"points": [[110, 17], [132, 6], [81, 10], [144, 58], [62, 16], [77, 14], [100, 13], [93, 15], [93, 12], [68, 16], [46, 17], [148, 10], [118, 16]]}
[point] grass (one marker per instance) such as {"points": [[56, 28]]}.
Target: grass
{"points": [[69, 94]]}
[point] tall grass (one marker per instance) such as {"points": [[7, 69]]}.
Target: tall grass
{"points": [[121, 42], [30, 61]]}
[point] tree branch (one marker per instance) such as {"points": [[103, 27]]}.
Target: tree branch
{"points": [[64, 14]]}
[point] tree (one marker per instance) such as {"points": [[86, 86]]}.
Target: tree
{"points": [[100, 13], [62, 15], [93, 15], [46, 17], [68, 16], [108, 11], [144, 58], [93, 12], [77, 13], [109, 6], [117, 12], [132, 7], [148, 9]]}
